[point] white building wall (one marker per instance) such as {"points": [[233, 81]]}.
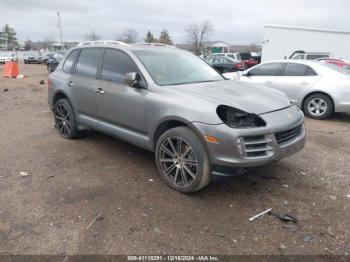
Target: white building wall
{"points": [[280, 42]]}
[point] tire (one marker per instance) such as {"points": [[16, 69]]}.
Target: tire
{"points": [[318, 106], [175, 172], [65, 121]]}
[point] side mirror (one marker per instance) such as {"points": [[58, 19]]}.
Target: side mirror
{"points": [[133, 79]]}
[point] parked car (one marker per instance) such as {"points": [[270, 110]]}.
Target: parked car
{"points": [[336, 61], [8, 57], [31, 58], [234, 56], [171, 102], [248, 59], [309, 55], [53, 62], [225, 64], [318, 88], [44, 58]]}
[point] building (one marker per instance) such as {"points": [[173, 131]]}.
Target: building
{"points": [[281, 41]]}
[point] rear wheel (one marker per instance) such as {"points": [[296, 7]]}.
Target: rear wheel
{"points": [[182, 160], [65, 121], [318, 106]]}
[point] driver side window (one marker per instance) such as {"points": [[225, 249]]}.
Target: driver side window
{"points": [[115, 65]]}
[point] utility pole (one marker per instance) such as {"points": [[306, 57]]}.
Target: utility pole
{"points": [[60, 28]]}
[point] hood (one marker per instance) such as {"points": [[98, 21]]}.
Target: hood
{"points": [[251, 99]]}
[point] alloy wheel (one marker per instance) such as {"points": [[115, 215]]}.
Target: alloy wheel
{"points": [[62, 119], [177, 161], [317, 106]]}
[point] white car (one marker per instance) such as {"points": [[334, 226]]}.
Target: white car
{"points": [[319, 89], [8, 57]]}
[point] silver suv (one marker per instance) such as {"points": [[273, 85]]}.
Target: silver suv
{"points": [[171, 102]]}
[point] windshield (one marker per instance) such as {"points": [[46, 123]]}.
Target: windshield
{"points": [[175, 68]]}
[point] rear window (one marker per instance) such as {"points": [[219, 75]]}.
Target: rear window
{"points": [[68, 64], [88, 62], [313, 57], [292, 69]]}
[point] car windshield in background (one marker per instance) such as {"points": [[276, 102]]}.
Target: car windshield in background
{"points": [[175, 68], [339, 69]]}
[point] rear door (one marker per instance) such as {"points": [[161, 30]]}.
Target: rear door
{"points": [[264, 74], [121, 108], [84, 85], [295, 79]]}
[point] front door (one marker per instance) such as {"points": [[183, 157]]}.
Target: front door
{"points": [[121, 108]]}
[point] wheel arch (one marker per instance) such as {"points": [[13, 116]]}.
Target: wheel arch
{"points": [[169, 123]]}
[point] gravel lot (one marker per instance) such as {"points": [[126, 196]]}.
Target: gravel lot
{"points": [[68, 182]]}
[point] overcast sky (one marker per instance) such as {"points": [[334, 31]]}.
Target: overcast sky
{"points": [[234, 21]]}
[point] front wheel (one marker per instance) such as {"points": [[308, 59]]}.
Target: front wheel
{"points": [[318, 106], [182, 160]]}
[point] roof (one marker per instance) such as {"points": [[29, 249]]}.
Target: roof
{"points": [[307, 29]]}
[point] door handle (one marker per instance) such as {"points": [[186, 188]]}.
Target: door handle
{"points": [[70, 83], [305, 83], [99, 90], [268, 83]]}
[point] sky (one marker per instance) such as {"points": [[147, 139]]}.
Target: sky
{"points": [[235, 22]]}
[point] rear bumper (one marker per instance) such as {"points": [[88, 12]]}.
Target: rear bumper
{"points": [[253, 147]]}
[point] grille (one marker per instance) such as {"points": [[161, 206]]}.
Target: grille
{"points": [[255, 146], [285, 136]]}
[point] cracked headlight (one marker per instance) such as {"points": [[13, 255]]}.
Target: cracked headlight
{"points": [[236, 118]]}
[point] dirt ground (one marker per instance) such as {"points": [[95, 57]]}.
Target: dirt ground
{"points": [[69, 182]]}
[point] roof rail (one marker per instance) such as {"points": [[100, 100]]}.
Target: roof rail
{"points": [[102, 42], [155, 44]]}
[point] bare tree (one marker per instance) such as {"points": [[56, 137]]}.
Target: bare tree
{"points": [[130, 35], [197, 33], [92, 36]]}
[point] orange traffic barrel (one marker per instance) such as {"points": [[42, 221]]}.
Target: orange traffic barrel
{"points": [[10, 70]]}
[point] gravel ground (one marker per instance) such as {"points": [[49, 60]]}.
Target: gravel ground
{"points": [[67, 183]]}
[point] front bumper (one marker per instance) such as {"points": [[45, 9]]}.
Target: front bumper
{"points": [[283, 136]]}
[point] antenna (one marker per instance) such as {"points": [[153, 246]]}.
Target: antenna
{"points": [[60, 29]]}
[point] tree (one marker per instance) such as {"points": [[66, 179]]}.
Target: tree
{"points": [[130, 35], [149, 38], [92, 36], [197, 33], [8, 38], [165, 38]]}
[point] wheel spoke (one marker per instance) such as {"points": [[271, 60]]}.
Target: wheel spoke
{"points": [[189, 162], [188, 149], [167, 151], [183, 176], [167, 160], [171, 145], [169, 169], [178, 145], [189, 171], [176, 175]]}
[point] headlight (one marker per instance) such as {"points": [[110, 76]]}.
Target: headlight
{"points": [[236, 118]]}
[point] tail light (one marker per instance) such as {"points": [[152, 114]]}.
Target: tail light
{"points": [[238, 66]]}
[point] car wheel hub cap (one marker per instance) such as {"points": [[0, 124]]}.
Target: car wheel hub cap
{"points": [[317, 106], [177, 161]]}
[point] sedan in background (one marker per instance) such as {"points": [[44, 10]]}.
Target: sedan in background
{"points": [[31, 58], [224, 64], [318, 88], [55, 59], [234, 56]]}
